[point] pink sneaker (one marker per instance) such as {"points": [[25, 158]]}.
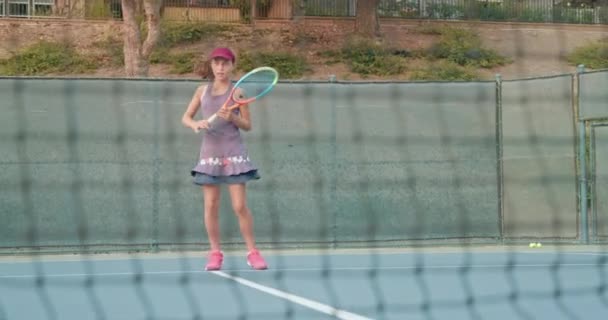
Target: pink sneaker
{"points": [[255, 260], [214, 260]]}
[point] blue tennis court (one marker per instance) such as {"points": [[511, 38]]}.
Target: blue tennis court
{"points": [[471, 170], [488, 282]]}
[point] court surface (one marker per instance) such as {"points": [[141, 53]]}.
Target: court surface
{"points": [[511, 282]]}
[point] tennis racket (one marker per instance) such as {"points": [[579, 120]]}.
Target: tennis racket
{"points": [[250, 87]]}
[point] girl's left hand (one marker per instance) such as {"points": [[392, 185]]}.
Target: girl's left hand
{"points": [[225, 113]]}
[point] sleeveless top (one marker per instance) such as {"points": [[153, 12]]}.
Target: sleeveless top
{"points": [[222, 152]]}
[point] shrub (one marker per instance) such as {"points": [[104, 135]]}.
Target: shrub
{"points": [[444, 71], [464, 48], [593, 55], [46, 58], [366, 57], [288, 65]]}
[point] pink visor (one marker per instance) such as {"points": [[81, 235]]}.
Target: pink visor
{"points": [[222, 53]]}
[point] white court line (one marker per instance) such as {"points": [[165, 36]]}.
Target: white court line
{"points": [[547, 250], [311, 304], [555, 253], [176, 272]]}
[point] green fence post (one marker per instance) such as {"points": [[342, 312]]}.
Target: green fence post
{"points": [[499, 164], [582, 160], [334, 165]]}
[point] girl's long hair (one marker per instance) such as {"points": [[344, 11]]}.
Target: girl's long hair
{"points": [[204, 70]]}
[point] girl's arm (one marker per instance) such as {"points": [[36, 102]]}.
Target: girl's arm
{"points": [[243, 119], [195, 103]]}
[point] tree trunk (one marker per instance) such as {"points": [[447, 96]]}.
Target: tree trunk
{"points": [[366, 22], [137, 54], [59, 7], [152, 11]]}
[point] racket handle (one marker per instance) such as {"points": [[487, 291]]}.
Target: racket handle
{"points": [[212, 118], [234, 106]]}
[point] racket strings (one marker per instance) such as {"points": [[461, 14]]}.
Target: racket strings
{"points": [[255, 85]]}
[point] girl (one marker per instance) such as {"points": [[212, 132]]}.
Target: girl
{"points": [[223, 156]]}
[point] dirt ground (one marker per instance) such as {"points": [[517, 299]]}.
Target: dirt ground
{"points": [[538, 50], [535, 49]]}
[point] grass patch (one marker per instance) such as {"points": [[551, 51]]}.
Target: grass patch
{"points": [[181, 63], [366, 57], [161, 55], [173, 33], [288, 65], [464, 48], [593, 55], [430, 29], [445, 71], [330, 57], [98, 9], [46, 58], [113, 54]]}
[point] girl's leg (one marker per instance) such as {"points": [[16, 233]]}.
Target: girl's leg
{"points": [[211, 196], [238, 196]]}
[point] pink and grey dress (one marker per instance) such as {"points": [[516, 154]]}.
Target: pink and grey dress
{"points": [[223, 156]]}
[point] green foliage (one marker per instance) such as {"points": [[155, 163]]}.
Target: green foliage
{"points": [[444, 11], [113, 54], [41, 11], [464, 48], [328, 8], [183, 62], [495, 11], [366, 57], [401, 9], [593, 55], [46, 58], [330, 56], [603, 15], [444, 71], [173, 33], [492, 12], [572, 15], [288, 65], [97, 9], [245, 7], [180, 63], [160, 55], [532, 15], [430, 29]]}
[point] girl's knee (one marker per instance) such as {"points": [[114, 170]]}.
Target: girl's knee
{"points": [[240, 209], [212, 207], [211, 199]]}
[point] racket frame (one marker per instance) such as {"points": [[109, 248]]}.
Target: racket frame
{"points": [[239, 102]]}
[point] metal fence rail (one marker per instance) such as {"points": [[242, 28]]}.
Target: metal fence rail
{"points": [[245, 11], [18, 8]]}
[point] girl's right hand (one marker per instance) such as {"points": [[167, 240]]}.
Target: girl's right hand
{"points": [[198, 125]]}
